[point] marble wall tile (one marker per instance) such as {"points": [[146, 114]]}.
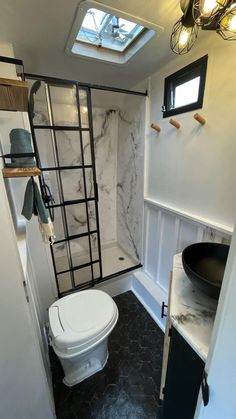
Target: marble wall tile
{"points": [[119, 153], [105, 124], [130, 175]]}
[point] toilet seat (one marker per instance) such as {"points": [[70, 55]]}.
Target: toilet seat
{"points": [[81, 320]]}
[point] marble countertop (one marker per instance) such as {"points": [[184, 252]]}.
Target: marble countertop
{"points": [[192, 312]]}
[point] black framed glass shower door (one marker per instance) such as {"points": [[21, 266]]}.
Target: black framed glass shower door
{"points": [[61, 119]]}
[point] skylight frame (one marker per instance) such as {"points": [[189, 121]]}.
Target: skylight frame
{"points": [[89, 52]]}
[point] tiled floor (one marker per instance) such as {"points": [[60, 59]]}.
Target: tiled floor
{"points": [[128, 387]]}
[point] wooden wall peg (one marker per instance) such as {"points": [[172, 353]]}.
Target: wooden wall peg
{"points": [[175, 123], [199, 118], [156, 127]]}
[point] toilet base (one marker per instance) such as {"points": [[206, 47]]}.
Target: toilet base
{"points": [[82, 366]]}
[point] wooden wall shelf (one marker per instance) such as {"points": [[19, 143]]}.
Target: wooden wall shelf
{"points": [[13, 95], [20, 171]]}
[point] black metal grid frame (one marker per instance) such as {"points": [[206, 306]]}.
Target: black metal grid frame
{"points": [[104, 279], [185, 74], [57, 80], [57, 168], [53, 128]]}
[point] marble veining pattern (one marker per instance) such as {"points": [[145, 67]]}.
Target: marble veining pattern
{"points": [[119, 153], [105, 126], [130, 174], [192, 312]]}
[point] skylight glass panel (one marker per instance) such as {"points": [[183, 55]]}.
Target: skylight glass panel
{"points": [[105, 30], [92, 18]]}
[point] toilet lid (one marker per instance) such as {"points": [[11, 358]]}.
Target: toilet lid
{"points": [[80, 317]]}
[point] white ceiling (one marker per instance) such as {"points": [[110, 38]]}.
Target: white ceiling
{"points": [[39, 30]]}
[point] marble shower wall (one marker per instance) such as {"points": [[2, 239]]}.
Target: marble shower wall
{"points": [[126, 210], [118, 123], [64, 111], [130, 175], [105, 126]]}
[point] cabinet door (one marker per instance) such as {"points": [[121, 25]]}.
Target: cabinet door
{"points": [[183, 379]]}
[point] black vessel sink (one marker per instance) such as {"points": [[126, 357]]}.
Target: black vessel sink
{"points": [[204, 264]]}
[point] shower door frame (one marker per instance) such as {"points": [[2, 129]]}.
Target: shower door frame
{"points": [[84, 86], [53, 128]]}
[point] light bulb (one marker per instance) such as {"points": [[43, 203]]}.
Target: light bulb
{"points": [[232, 23], [184, 37], [207, 7], [211, 7], [228, 22]]}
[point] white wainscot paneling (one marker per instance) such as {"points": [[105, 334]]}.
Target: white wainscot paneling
{"points": [[168, 232]]}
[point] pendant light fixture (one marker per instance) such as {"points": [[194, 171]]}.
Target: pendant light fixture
{"points": [[206, 11], [185, 31], [217, 15], [227, 24]]}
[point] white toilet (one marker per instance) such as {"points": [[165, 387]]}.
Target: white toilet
{"points": [[80, 324]]}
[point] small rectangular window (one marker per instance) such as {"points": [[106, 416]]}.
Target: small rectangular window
{"points": [[184, 90]]}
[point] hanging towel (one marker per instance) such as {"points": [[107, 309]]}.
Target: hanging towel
{"points": [[47, 231], [33, 203]]}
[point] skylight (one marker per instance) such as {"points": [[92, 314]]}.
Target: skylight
{"points": [[108, 34], [105, 30]]}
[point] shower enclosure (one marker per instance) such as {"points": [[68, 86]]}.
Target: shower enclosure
{"points": [[90, 147]]}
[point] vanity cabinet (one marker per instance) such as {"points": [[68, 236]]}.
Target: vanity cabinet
{"points": [[183, 379], [190, 319]]}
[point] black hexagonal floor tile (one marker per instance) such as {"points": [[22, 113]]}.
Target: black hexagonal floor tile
{"points": [[128, 386]]}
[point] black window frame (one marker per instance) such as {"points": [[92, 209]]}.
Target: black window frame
{"points": [[185, 74]]}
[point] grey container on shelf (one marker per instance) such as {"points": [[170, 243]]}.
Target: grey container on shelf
{"points": [[20, 140]]}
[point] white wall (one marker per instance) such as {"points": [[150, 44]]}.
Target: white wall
{"points": [[190, 172], [190, 182], [193, 168], [8, 121], [40, 272], [25, 391], [37, 250]]}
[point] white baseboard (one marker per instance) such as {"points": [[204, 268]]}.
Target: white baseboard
{"points": [[116, 286], [145, 290], [149, 310], [150, 296]]}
